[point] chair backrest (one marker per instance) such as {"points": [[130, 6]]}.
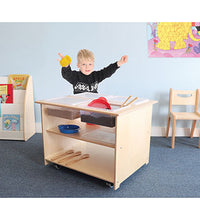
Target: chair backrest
{"points": [[184, 97]]}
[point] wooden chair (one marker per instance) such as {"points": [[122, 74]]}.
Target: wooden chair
{"points": [[183, 97]]}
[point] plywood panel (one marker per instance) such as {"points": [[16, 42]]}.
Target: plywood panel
{"points": [[12, 135], [132, 142], [18, 96], [12, 109], [29, 115]]}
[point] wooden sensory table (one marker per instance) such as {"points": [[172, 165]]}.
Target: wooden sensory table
{"points": [[114, 153]]}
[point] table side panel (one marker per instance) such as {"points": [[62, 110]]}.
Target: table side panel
{"points": [[132, 142]]}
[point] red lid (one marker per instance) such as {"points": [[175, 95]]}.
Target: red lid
{"points": [[103, 98], [101, 102]]}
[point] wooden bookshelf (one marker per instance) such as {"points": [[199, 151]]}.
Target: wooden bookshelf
{"points": [[23, 105]]}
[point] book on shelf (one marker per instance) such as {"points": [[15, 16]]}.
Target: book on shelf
{"points": [[11, 122], [19, 81], [6, 93]]}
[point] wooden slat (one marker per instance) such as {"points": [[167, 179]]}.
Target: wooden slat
{"points": [[83, 157], [69, 157], [61, 155], [190, 98], [186, 115]]}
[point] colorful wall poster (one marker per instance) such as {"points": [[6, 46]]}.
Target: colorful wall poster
{"points": [[173, 39], [19, 81], [11, 122], [6, 93]]}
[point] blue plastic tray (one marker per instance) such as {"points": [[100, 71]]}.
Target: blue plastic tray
{"points": [[68, 129]]}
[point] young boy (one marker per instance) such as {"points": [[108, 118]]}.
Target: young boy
{"points": [[87, 80]]}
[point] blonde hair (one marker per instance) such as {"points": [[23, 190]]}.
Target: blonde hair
{"points": [[85, 54]]}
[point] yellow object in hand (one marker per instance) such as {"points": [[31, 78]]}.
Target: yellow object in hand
{"points": [[65, 61]]}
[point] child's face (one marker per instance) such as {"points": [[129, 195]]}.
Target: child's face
{"points": [[86, 66]]}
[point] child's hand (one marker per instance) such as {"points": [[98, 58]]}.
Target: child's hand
{"points": [[62, 62], [123, 60], [61, 56]]}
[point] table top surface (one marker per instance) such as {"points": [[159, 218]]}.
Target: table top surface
{"points": [[81, 101]]}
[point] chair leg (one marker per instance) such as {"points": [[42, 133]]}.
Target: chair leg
{"points": [[199, 141], [168, 124], [193, 127], [173, 132]]}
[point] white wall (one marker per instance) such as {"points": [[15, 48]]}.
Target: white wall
{"points": [[32, 48]]}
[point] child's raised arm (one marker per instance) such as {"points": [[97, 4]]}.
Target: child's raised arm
{"points": [[124, 59]]}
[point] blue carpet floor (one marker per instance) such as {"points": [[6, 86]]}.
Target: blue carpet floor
{"points": [[171, 173]]}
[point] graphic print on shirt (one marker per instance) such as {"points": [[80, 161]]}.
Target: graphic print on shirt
{"points": [[83, 87]]}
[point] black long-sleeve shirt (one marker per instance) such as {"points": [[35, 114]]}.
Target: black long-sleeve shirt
{"points": [[87, 83]]}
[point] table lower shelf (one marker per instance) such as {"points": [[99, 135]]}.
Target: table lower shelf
{"points": [[97, 136], [99, 164]]}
